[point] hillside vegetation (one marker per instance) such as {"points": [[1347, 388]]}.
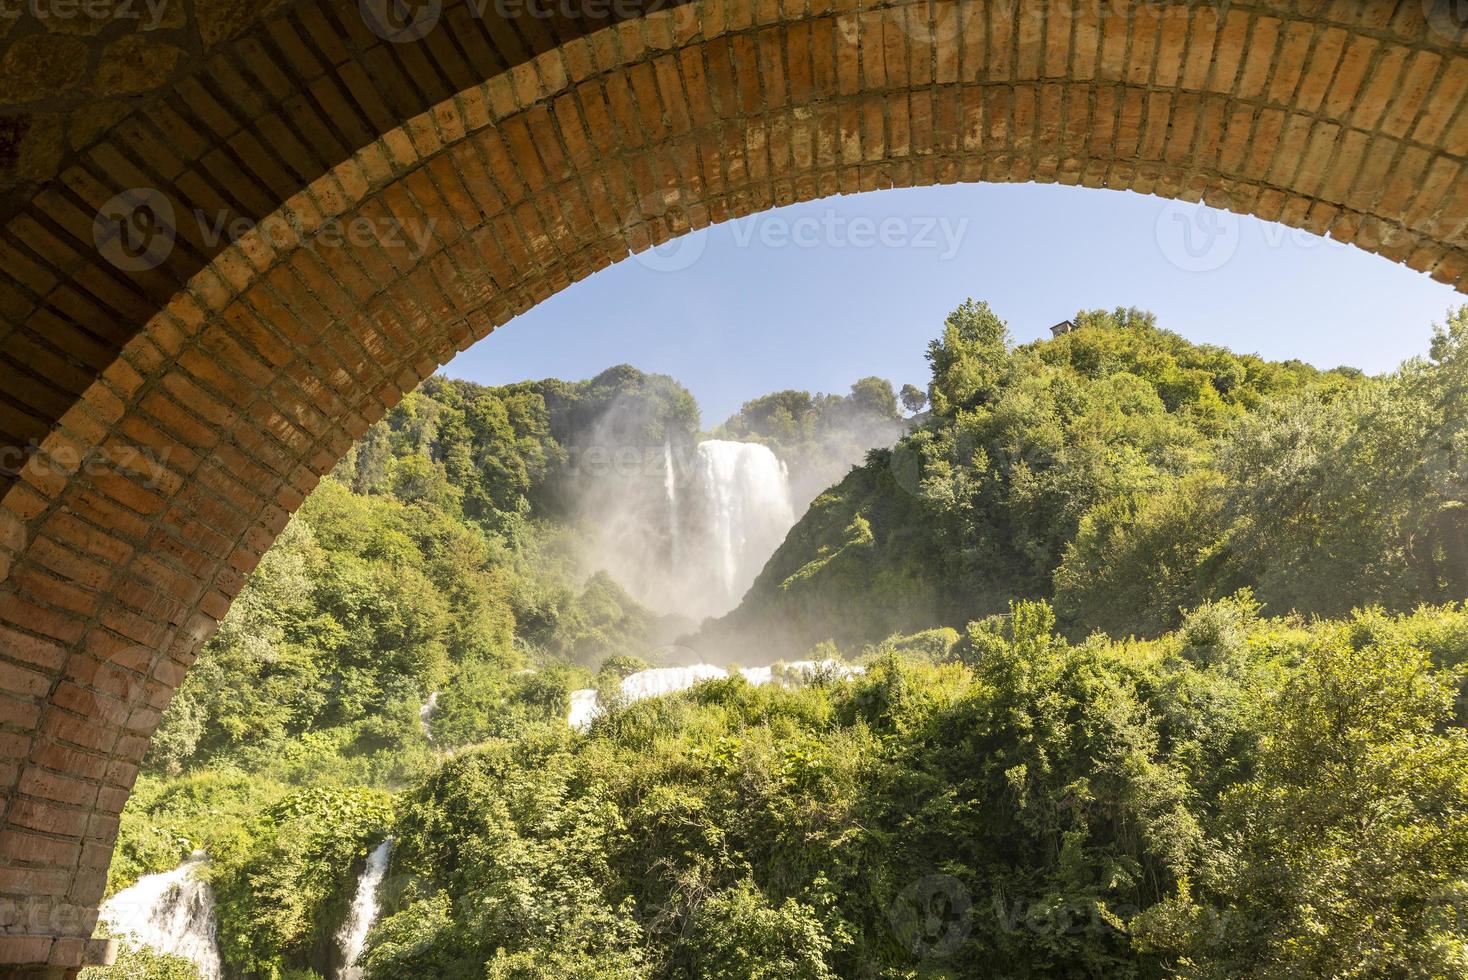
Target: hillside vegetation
{"points": [[1242, 798], [1163, 663], [1125, 474]]}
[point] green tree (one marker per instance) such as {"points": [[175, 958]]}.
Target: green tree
{"points": [[914, 399], [1345, 850], [873, 397], [738, 934], [968, 358]]}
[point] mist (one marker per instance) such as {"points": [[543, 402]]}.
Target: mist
{"points": [[685, 523]]}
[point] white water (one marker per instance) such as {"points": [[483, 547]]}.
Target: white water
{"points": [[425, 714], [669, 680], [687, 531], [583, 709], [800, 672], [670, 491], [744, 495], [352, 937], [172, 912]]}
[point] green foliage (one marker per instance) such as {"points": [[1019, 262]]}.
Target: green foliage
{"points": [[602, 621], [430, 555], [969, 358], [1195, 805], [737, 934], [484, 701], [290, 884], [431, 561], [167, 820], [791, 420], [1137, 559], [620, 406], [1126, 474], [914, 399], [137, 962], [934, 646], [1343, 855], [1245, 791], [857, 567]]}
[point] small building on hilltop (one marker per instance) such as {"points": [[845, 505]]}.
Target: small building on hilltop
{"points": [[1062, 328]]}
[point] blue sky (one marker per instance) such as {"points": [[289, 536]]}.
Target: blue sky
{"points": [[817, 295]]}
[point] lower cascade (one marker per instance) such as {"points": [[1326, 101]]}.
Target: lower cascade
{"points": [[352, 937], [670, 680], [425, 715], [171, 912]]}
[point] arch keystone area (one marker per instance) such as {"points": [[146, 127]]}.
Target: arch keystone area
{"points": [[235, 236]]}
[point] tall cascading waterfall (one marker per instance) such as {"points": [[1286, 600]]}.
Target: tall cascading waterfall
{"points": [[171, 912], [745, 511], [686, 529], [670, 491], [352, 937]]}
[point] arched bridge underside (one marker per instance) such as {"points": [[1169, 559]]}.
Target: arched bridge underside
{"points": [[289, 218]]}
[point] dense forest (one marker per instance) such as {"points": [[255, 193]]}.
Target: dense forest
{"points": [[1163, 675]]}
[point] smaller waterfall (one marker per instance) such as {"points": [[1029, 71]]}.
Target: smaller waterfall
{"points": [[352, 937], [425, 714], [171, 912], [670, 680], [670, 490], [667, 680], [583, 709]]}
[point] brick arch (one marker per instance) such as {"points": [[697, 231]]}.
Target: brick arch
{"points": [[243, 372]]}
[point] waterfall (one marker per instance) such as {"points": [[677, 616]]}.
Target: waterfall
{"points": [[667, 680], [745, 496], [172, 912], [670, 680], [583, 709], [635, 687], [685, 536], [425, 714], [670, 491], [352, 937]]}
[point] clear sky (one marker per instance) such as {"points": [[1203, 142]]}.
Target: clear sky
{"points": [[817, 295]]}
